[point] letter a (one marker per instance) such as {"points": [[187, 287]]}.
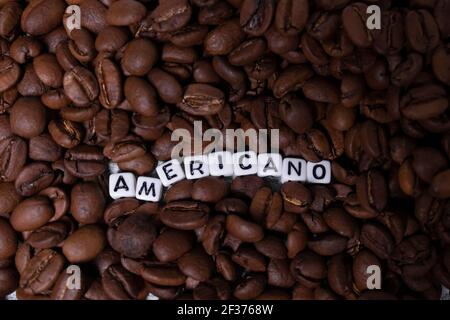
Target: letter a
{"points": [[74, 280], [374, 280], [374, 19], [73, 21]]}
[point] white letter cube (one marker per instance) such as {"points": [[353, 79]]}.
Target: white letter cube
{"points": [[269, 164], [148, 189], [293, 170], [245, 163], [170, 172], [318, 172], [122, 185], [196, 167], [220, 164]]}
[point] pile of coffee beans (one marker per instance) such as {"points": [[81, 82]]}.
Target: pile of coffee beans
{"points": [[374, 102]]}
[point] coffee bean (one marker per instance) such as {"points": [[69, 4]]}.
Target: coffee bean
{"points": [[141, 96], [256, 16], [8, 240], [110, 83], [125, 12], [80, 86], [41, 272], [196, 264], [209, 189], [119, 284], [163, 275], [28, 117], [9, 73], [244, 230], [202, 99], [184, 215], [134, 61], [84, 244], [13, 154], [291, 16], [171, 15], [42, 16], [33, 178], [377, 239], [224, 38], [87, 202], [48, 70], [139, 227], [84, 161]]}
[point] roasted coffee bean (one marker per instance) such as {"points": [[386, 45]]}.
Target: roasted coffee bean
{"points": [[196, 264], [48, 236], [28, 117], [24, 48], [212, 233], [171, 15], [202, 100], [30, 85], [41, 272], [226, 37], [296, 113], [32, 213], [48, 70], [33, 178], [266, 207], [9, 280], [250, 287], [378, 239], [247, 52], [59, 200], [296, 197], [209, 189], [141, 96], [82, 45], [439, 186], [84, 161], [84, 244], [80, 86], [421, 31], [291, 16], [244, 230], [42, 16], [328, 244], [125, 12], [9, 198], [140, 166], [247, 185], [184, 215], [87, 202], [120, 284], [308, 269], [13, 154], [354, 19], [8, 243], [138, 227], [372, 191], [256, 16], [66, 133], [110, 83], [167, 86], [440, 64], [139, 57]]}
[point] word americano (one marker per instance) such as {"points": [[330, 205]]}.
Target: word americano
{"points": [[223, 163]]}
